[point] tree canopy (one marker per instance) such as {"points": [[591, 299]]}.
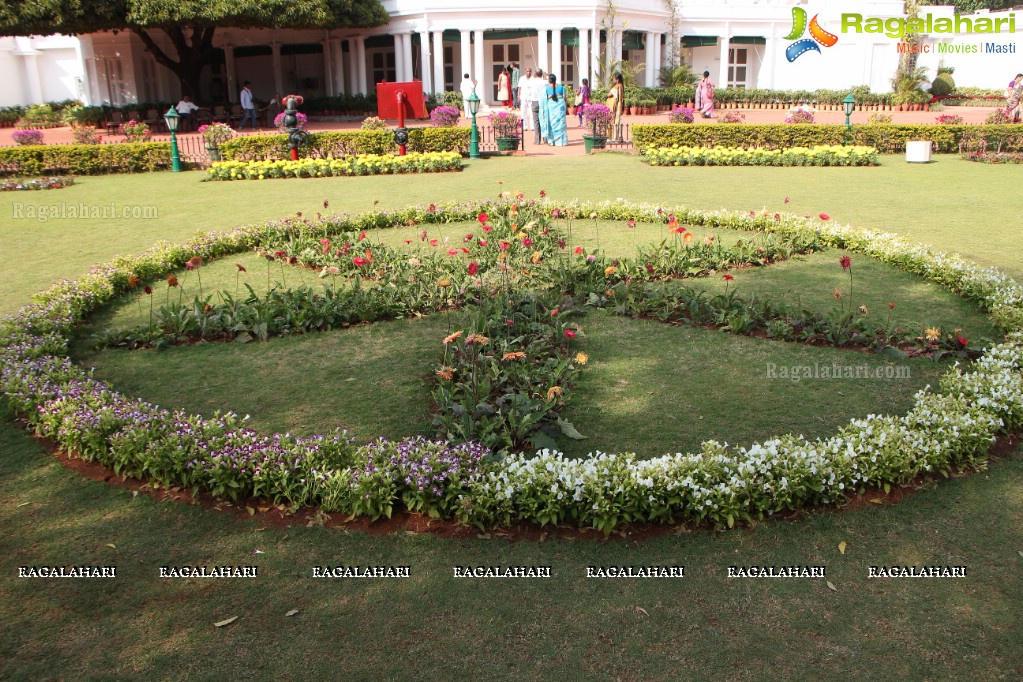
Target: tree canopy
{"points": [[971, 6], [189, 24]]}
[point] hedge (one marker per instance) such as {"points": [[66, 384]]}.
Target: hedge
{"points": [[337, 144], [886, 138], [84, 159]]}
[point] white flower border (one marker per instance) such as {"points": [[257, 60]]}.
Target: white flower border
{"points": [[956, 425]]}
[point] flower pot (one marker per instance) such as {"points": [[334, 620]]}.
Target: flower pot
{"points": [[213, 151], [592, 142], [507, 144]]}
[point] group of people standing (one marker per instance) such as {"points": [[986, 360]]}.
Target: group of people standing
{"points": [[1013, 97]]}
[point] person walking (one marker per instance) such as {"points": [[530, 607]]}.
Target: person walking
{"points": [[535, 102], [467, 87], [504, 87], [705, 96], [582, 98], [248, 107], [515, 84], [526, 99], [616, 103], [553, 113]]}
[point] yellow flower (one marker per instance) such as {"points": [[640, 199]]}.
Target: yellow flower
{"points": [[862, 310], [553, 392], [581, 358], [609, 270], [536, 257], [932, 334], [444, 283], [451, 337]]}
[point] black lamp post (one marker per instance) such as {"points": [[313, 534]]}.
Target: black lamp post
{"points": [[172, 119], [474, 136]]}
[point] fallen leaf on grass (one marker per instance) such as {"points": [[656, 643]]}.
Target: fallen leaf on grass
{"points": [[257, 551], [831, 586], [841, 547], [642, 610], [876, 500], [1021, 553], [250, 511], [224, 622], [111, 545], [24, 504], [291, 613]]}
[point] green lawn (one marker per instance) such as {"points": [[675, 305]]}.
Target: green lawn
{"points": [[431, 626]]}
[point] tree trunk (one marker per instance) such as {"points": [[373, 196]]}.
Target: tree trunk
{"points": [[193, 51]]}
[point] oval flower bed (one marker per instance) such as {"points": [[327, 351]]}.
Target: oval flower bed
{"points": [[954, 426], [41, 183], [363, 164], [819, 155]]}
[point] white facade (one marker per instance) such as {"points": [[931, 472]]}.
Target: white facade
{"points": [[741, 43]]}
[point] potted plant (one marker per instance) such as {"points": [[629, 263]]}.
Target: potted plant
{"points": [[599, 119], [507, 129], [445, 116], [214, 134], [135, 131]]}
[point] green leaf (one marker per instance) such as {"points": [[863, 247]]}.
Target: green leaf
{"points": [[893, 352], [569, 430], [541, 441]]}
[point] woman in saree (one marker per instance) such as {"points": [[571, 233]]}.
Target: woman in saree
{"points": [[1013, 95], [554, 113], [616, 103], [504, 87], [705, 96]]}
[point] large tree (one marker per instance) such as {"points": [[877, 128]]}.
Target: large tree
{"points": [[971, 6], [189, 24]]}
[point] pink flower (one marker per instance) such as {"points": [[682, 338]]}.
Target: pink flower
{"points": [[845, 262], [825, 216], [570, 334], [527, 242], [473, 268], [727, 277], [452, 252], [468, 238], [483, 218], [359, 261], [433, 242], [632, 223], [362, 235]]}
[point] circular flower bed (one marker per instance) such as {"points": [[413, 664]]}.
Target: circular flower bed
{"points": [[953, 426]]}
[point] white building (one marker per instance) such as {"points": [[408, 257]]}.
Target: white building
{"points": [[742, 43]]}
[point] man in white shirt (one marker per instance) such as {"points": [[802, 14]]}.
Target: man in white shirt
{"points": [[526, 98], [467, 87], [536, 97], [248, 107], [185, 108]]}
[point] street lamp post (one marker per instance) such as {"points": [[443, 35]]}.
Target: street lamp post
{"points": [[474, 137], [172, 119], [849, 103]]}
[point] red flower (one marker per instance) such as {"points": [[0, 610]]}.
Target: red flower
{"points": [[278, 254], [650, 268], [326, 245], [408, 241], [326, 203], [488, 228], [432, 208], [483, 218], [468, 238], [569, 333], [369, 255], [362, 235], [504, 245], [556, 213], [325, 240], [482, 242], [422, 236], [172, 281], [241, 268], [727, 277], [777, 216], [509, 323], [359, 261], [825, 216], [891, 306], [527, 242], [473, 268], [434, 242], [148, 289], [346, 248], [632, 223], [786, 200], [543, 193], [464, 250], [961, 340], [561, 243], [452, 252], [578, 250], [845, 262], [678, 229], [752, 214]]}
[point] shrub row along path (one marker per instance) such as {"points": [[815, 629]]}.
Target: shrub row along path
{"points": [[575, 141]]}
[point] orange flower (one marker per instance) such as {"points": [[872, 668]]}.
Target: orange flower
{"points": [[133, 281], [445, 373], [451, 337], [515, 355], [477, 339], [172, 281], [687, 237], [581, 358], [553, 392]]}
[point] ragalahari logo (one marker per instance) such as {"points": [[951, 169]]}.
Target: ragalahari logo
{"points": [[817, 35]]}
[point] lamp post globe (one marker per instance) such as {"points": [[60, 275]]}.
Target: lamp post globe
{"points": [[474, 137], [849, 104], [172, 119]]}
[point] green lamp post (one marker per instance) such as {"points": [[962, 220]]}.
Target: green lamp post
{"points": [[474, 136], [849, 103], [172, 119]]}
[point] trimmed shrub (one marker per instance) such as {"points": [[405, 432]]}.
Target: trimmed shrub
{"points": [[85, 159], [337, 144]]}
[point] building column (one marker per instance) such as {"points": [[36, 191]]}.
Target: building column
{"points": [[723, 70], [425, 63], [360, 65], [438, 61], [658, 58], [26, 50], [542, 50], [328, 66], [406, 55], [556, 52], [595, 58], [278, 78], [583, 55], [648, 60], [230, 67], [616, 55], [770, 54], [465, 56], [399, 53], [479, 73]]}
